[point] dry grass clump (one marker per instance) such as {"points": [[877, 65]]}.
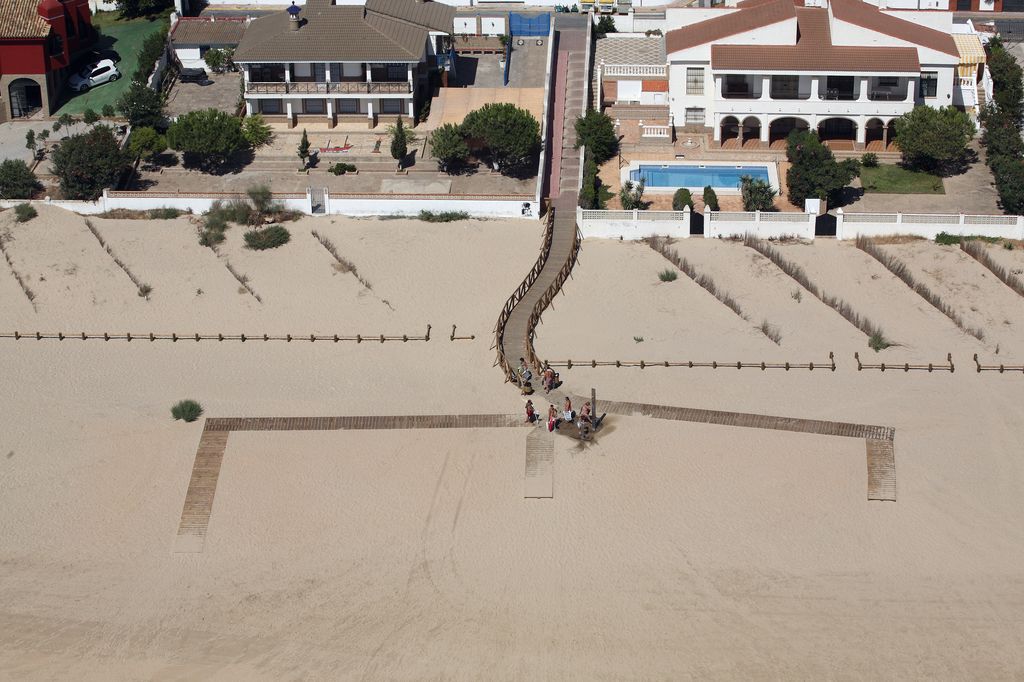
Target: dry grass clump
{"points": [[661, 245], [979, 252], [900, 269], [243, 280], [771, 331], [344, 265], [144, 289], [876, 338], [29, 294]]}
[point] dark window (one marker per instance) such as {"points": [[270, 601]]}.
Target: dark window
{"points": [[929, 84], [785, 87], [266, 73], [839, 87], [319, 73], [963, 5], [270, 106], [56, 44], [314, 106], [100, 72], [391, 106], [737, 84], [888, 82], [397, 72], [348, 106]]}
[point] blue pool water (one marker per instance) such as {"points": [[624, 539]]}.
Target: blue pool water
{"points": [[719, 177]]}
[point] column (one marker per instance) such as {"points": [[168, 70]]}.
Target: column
{"points": [[327, 73], [717, 135], [410, 78], [861, 136], [764, 130], [863, 89], [718, 86], [412, 113], [815, 92], [885, 136], [248, 107], [369, 73], [287, 73], [911, 89], [369, 111], [766, 87], [330, 113], [288, 113]]}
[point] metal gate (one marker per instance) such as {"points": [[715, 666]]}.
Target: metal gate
{"points": [[316, 200]]}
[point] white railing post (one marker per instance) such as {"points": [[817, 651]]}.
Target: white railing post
{"points": [[840, 234], [899, 218], [686, 220]]}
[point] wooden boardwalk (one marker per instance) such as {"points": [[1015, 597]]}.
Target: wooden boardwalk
{"points": [[881, 470], [202, 487], [540, 458]]}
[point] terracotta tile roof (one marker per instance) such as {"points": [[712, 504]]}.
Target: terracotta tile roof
{"points": [[332, 33], [870, 17], [437, 16], [814, 51], [654, 86], [205, 32], [20, 19], [758, 14]]}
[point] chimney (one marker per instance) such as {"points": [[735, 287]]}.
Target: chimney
{"points": [[293, 16]]}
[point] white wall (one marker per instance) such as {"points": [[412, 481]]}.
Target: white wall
{"points": [[492, 26], [633, 225], [383, 205], [465, 25], [726, 225], [850, 225], [189, 57]]}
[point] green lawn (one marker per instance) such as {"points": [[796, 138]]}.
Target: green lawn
{"points": [[124, 36], [890, 179]]}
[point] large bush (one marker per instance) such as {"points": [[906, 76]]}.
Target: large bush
{"points": [[934, 140], [267, 238], [757, 194], [509, 134], [814, 172], [1008, 88], [682, 199], [256, 131], [88, 162], [17, 181], [208, 137], [596, 131], [152, 47], [146, 143], [448, 146], [711, 198], [141, 105]]}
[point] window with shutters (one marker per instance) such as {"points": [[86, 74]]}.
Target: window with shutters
{"points": [[694, 81]]}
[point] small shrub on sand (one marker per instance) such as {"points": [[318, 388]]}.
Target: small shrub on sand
{"points": [[668, 275], [164, 213], [877, 341], [797, 295], [262, 199], [145, 290], [771, 332], [946, 239], [267, 238], [979, 252], [187, 410], [341, 168], [24, 212], [443, 216], [638, 339]]}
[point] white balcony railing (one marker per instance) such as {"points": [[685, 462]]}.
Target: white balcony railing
{"points": [[808, 107], [613, 70], [655, 131]]}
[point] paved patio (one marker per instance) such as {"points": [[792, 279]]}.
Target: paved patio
{"points": [[221, 94]]}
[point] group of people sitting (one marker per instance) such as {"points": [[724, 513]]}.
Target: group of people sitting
{"points": [[549, 377], [584, 420]]}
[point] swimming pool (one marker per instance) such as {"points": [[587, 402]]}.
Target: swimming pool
{"points": [[721, 176]]}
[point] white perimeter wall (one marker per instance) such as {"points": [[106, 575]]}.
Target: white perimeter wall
{"points": [[927, 225]]}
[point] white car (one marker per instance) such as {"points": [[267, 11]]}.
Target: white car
{"points": [[94, 74]]}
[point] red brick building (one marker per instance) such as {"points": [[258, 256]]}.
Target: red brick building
{"points": [[38, 42]]}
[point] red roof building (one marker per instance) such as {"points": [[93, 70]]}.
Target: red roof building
{"points": [[38, 42]]}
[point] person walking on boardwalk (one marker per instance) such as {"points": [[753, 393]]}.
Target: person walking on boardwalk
{"points": [[525, 375], [548, 378], [584, 415], [531, 414], [552, 418], [567, 413]]}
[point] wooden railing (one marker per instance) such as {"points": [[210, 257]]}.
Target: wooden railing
{"points": [[545, 300], [517, 295], [341, 88], [830, 364]]}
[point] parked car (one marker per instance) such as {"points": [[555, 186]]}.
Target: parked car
{"points": [[194, 76], [97, 73]]}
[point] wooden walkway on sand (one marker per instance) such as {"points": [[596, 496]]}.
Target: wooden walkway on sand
{"points": [[202, 487], [540, 458]]}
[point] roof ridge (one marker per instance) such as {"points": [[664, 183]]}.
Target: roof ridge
{"points": [[390, 38]]}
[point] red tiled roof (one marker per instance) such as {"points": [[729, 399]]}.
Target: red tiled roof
{"points": [[757, 14], [20, 19], [814, 51], [654, 86], [868, 16]]}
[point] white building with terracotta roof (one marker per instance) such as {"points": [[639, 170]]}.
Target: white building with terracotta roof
{"points": [[755, 72]]}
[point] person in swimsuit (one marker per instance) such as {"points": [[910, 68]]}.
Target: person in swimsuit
{"points": [[531, 415], [567, 413], [552, 418]]}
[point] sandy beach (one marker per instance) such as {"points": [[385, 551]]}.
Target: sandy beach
{"points": [[669, 550]]}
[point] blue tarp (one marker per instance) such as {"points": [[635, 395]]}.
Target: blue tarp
{"points": [[529, 25]]}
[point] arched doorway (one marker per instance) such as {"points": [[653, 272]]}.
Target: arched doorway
{"points": [[751, 131], [730, 131], [874, 135], [838, 133], [780, 128], [26, 97], [890, 136]]}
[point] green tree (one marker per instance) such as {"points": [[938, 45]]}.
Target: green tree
{"points": [[399, 142], [207, 137], [152, 47], [30, 141], [303, 149], [215, 59], [88, 162], [108, 111], [757, 194], [1001, 136], [140, 8], [90, 117], [256, 131], [681, 199], [67, 120], [509, 134], [814, 172], [711, 199], [1007, 82], [146, 143], [605, 25], [1009, 174], [17, 181], [631, 196], [448, 146], [596, 131], [933, 139], [141, 105]]}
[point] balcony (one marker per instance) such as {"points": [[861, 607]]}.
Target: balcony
{"points": [[343, 88]]}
